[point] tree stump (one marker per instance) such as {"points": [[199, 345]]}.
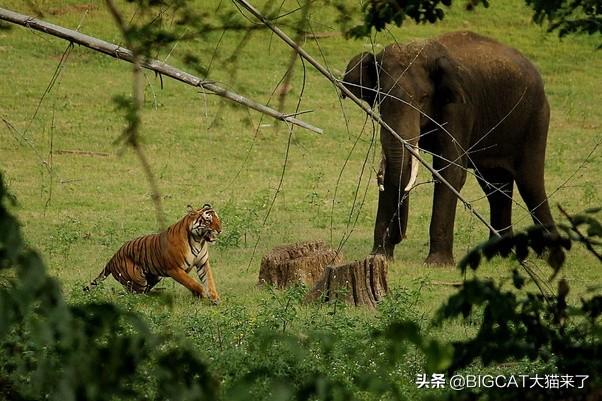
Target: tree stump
{"points": [[362, 282], [300, 263]]}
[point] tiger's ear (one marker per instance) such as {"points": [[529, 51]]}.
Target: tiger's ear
{"points": [[189, 209], [207, 206]]}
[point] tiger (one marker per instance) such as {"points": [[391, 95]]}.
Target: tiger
{"points": [[142, 262]]}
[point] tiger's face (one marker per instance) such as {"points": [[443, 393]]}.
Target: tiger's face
{"points": [[206, 225]]}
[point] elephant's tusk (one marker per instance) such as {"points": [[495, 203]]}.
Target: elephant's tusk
{"points": [[413, 174], [380, 175]]}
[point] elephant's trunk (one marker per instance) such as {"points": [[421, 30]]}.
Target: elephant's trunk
{"points": [[401, 168], [400, 175]]}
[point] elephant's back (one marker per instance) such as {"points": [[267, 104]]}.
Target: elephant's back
{"points": [[490, 59], [507, 90]]}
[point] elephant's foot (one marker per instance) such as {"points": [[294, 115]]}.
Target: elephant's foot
{"points": [[439, 259], [386, 251]]}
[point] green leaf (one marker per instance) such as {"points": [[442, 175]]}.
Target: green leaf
{"points": [[521, 246], [439, 357], [517, 280], [595, 229]]}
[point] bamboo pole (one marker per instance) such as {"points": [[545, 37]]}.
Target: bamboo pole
{"points": [[157, 66]]}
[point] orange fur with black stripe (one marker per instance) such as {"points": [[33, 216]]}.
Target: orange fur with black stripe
{"points": [[142, 262]]}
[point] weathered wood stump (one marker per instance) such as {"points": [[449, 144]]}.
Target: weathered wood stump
{"points": [[300, 263], [362, 282]]}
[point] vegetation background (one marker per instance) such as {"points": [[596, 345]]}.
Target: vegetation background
{"points": [[80, 196]]}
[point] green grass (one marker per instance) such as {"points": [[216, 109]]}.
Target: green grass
{"points": [[80, 212]]}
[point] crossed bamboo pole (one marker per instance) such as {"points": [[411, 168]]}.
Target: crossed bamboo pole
{"points": [[157, 66]]}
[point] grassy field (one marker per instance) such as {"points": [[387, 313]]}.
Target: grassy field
{"points": [[80, 196]]}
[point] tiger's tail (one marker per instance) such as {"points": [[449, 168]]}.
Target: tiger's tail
{"points": [[103, 275]]}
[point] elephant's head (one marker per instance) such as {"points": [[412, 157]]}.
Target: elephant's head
{"points": [[411, 85], [361, 77], [419, 77]]}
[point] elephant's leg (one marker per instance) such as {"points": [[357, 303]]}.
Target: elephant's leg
{"points": [[391, 220], [444, 215], [530, 172], [498, 186], [530, 184], [444, 201], [530, 179]]}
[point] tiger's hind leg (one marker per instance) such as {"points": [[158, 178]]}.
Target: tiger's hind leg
{"points": [[103, 275], [151, 281], [133, 278]]}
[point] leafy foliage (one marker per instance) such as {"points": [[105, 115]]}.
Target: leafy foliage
{"points": [[521, 324], [564, 16], [569, 16], [379, 13], [243, 222], [55, 351], [541, 240]]}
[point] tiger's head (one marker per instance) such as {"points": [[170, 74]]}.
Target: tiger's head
{"points": [[205, 224]]}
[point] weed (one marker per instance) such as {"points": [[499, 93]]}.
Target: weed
{"points": [[66, 235], [241, 223]]}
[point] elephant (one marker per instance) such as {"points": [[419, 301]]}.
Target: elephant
{"points": [[474, 104]]}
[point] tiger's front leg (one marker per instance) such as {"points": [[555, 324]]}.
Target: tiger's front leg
{"points": [[183, 278], [206, 277]]}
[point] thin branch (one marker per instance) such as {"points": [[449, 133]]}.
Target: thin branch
{"points": [[131, 133], [293, 58], [53, 80], [231, 63], [159, 67], [19, 138], [584, 240], [284, 166]]}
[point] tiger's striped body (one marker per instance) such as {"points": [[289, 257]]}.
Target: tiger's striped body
{"points": [[142, 262]]}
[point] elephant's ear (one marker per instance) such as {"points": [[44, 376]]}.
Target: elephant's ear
{"points": [[361, 77], [449, 79]]}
